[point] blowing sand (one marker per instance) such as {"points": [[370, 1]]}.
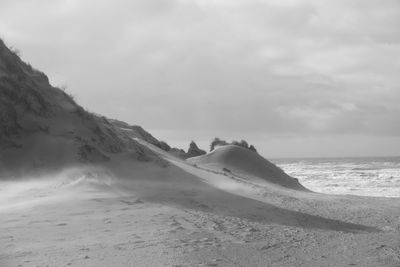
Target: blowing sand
{"points": [[138, 214]]}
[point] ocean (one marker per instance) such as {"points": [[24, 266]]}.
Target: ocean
{"points": [[378, 177]]}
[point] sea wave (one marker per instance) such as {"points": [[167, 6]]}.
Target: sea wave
{"points": [[357, 176]]}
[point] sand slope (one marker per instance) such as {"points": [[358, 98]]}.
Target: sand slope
{"points": [[130, 213], [91, 194], [43, 129], [245, 163]]}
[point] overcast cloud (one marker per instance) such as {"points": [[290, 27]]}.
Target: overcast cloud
{"points": [[296, 78]]}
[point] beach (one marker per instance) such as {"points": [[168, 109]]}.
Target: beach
{"points": [[183, 215]]}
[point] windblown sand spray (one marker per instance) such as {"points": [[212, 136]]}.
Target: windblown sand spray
{"points": [[75, 182]]}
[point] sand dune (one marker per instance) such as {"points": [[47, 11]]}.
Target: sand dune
{"points": [[43, 129], [245, 163], [130, 213], [77, 189]]}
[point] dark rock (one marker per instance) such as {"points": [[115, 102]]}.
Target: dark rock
{"points": [[194, 150]]}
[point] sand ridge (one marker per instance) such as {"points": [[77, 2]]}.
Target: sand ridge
{"points": [[131, 213]]}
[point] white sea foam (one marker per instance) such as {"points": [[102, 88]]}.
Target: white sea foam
{"points": [[357, 176]]}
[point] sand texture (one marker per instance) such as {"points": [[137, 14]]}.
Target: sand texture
{"points": [[130, 213]]}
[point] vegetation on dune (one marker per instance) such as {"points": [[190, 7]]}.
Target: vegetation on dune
{"points": [[194, 150], [30, 106], [219, 142]]}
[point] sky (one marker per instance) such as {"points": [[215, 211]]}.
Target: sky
{"points": [[296, 78]]}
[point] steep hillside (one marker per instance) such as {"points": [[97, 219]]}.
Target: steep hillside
{"points": [[135, 131], [41, 125], [245, 163]]}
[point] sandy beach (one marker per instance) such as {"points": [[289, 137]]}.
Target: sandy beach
{"points": [[226, 84], [185, 215]]}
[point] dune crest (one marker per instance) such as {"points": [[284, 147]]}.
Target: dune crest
{"points": [[42, 128], [245, 163]]}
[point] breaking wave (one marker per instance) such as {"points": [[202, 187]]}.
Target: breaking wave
{"points": [[357, 176]]}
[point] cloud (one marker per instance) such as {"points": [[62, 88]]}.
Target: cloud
{"points": [[245, 68]]}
